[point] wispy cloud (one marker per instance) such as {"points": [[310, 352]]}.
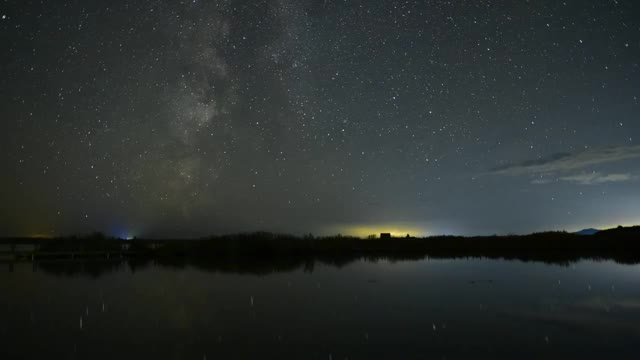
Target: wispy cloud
{"points": [[567, 162], [597, 178], [542, 181]]}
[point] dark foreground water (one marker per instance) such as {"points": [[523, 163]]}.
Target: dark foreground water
{"points": [[365, 310]]}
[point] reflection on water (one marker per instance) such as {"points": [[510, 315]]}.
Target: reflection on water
{"points": [[319, 309]]}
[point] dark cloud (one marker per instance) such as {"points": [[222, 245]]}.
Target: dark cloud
{"points": [[565, 162]]}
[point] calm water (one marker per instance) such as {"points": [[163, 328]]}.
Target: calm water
{"points": [[364, 310]]}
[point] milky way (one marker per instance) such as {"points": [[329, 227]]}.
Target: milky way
{"points": [[187, 118]]}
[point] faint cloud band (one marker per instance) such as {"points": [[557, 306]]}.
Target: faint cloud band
{"points": [[562, 163]]}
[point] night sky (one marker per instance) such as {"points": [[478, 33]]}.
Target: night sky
{"points": [[188, 118]]}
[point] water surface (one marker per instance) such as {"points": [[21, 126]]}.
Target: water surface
{"points": [[363, 310]]}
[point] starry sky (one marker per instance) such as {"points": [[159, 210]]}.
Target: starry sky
{"points": [[188, 118]]}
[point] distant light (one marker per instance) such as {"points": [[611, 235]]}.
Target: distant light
{"points": [[365, 230], [126, 237]]}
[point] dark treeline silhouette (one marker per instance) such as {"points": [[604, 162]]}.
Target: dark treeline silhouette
{"points": [[264, 253]]}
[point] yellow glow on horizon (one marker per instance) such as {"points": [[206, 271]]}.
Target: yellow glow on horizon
{"points": [[363, 231], [629, 223], [605, 225], [39, 236]]}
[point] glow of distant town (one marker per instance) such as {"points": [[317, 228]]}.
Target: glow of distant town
{"points": [[365, 230]]}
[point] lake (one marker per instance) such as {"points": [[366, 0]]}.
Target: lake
{"points": [[440, 309]]}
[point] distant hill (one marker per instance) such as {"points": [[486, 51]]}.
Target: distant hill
{"points": [[629, 232], [587, 232]]}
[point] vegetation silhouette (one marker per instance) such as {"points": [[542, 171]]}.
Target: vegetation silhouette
{"points": [[263, 253]]}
